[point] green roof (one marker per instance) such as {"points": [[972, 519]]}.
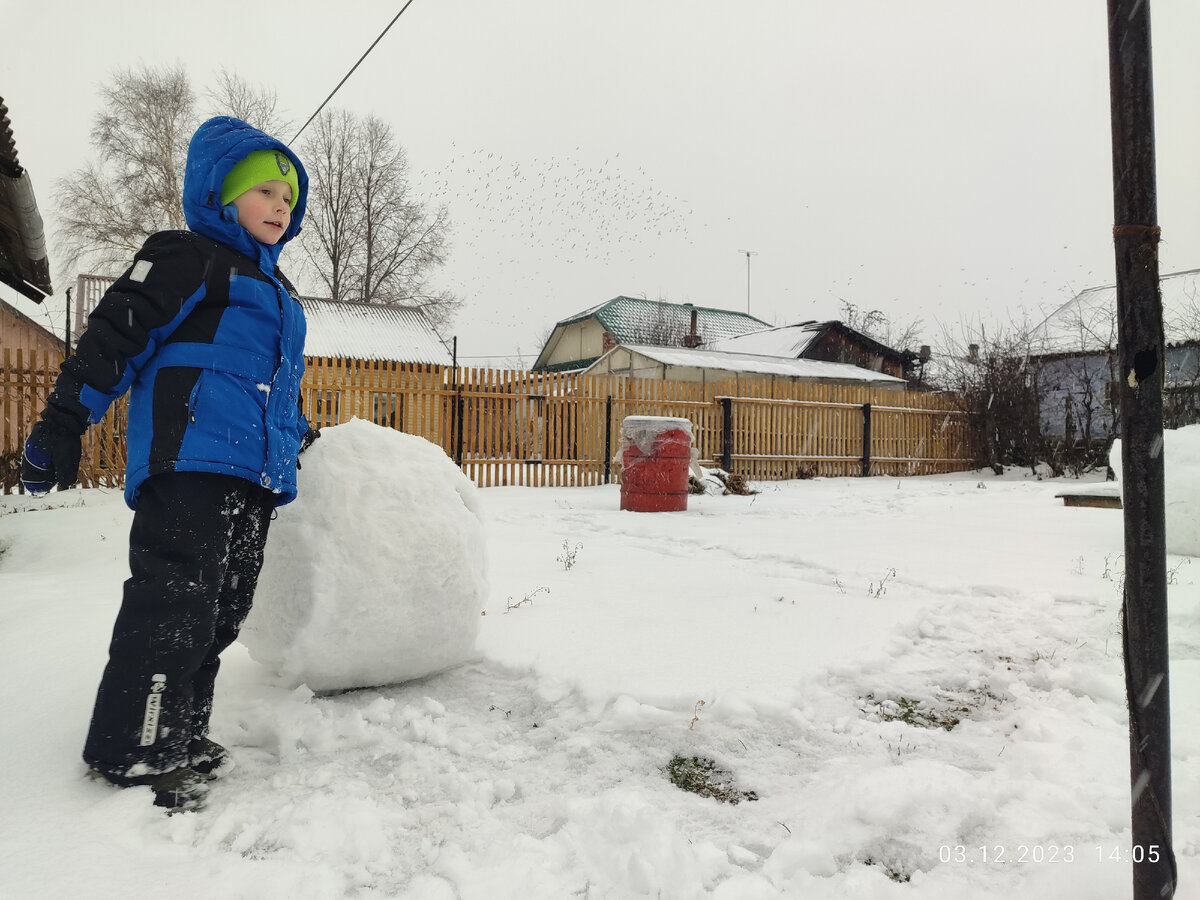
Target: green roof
{"points": [[571, 365], [637, 321]]}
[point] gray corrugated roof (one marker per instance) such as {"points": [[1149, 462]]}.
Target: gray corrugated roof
{"points": [[786, 340], [633, 319], [1087, 323], [754, 364], [371, 331], [797, 339]]}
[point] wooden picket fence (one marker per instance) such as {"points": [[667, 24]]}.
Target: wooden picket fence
{"points": [[546, 428], [26, 380], [526, 428]]}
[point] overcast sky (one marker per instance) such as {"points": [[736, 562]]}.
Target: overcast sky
{"points": [[934, 159]]}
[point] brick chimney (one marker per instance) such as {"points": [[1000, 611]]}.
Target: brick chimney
{"points": [[691, 339], [607, 341]]}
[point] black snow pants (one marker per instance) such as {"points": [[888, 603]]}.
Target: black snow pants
{"points": [[195, 551]]}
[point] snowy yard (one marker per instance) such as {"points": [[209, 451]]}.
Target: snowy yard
{"points": [[900, 677]]}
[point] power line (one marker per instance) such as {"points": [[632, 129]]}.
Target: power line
{"points": [[351, 72]]}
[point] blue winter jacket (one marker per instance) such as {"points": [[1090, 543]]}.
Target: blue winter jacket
{"points": [[205, 333]]}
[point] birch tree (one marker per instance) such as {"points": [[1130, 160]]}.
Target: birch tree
{"points": [[369, 238], [133, 186], [256, 105], [332, 228]]}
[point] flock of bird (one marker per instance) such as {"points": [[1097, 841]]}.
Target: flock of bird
{"points": [[537, 238], [558, 208], [521, 227]]}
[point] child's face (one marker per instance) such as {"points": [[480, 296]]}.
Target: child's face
{"points": [[264, 210]]}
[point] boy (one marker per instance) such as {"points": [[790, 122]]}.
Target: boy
{"points": [[208, 337]]}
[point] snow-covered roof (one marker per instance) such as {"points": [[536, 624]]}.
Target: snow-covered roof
{"points": [[784, 340], [631, 318], [753, 364], [1087, 323], [371, 331], [797, 339]]}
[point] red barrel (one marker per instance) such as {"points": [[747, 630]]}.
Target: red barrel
{"points": [[655, 454]]}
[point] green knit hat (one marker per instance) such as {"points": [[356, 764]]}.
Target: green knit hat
{"points": [[257, 167]]}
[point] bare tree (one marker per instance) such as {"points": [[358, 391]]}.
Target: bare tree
{"points": [[109, 207], [1000, 391], [332, 226], [370, 240], [254, 104], [875, 323], [368, 237], [1078, 365]]}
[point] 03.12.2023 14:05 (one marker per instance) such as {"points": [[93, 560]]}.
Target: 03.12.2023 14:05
{"points": [[1000, 854]]}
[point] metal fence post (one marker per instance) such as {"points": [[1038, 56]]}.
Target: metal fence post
{"points": [[458, 426], [866, 457], [608, 440], [727, 434]]}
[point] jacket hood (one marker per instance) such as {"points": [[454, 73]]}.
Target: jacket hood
{"points": [[216, 147]]}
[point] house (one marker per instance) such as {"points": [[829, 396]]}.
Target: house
{"points": [[371, 331], [831, 342], [1074, 351], [578, 341], [24, 262], [707, 366]]}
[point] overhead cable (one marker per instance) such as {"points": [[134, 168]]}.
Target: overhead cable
{"points": [[351, 72]]}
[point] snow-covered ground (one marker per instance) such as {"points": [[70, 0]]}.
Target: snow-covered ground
{"points": [[802, 639]]}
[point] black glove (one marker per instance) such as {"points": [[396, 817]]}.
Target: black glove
{"points": [[305, 442], [51, 457]]}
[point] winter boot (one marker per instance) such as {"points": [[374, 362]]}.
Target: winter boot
{"points": [[180, 790], [209, 759]]}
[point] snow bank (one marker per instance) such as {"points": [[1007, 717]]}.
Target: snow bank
{"points": [[375, 574], [1181, 487]]}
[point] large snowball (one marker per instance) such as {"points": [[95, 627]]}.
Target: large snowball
{"points": [[1181, 487], [375, 574]]}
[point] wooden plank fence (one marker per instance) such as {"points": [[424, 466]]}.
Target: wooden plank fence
{"points": [[524, 428], [26, 380]]}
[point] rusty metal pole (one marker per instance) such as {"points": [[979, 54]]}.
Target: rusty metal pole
{"points": [[1140, 351]]}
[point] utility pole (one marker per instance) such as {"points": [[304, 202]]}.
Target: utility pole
{"points": [[749, 253], [1141, 360]]}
